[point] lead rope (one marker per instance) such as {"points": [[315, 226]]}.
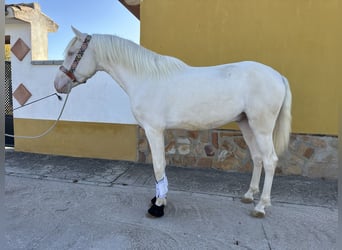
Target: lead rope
{"points": [[48, 130]]}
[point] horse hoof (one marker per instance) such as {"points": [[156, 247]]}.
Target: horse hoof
{"points": [[246, 200], [156, 211], [153, 201], [257, 214]]}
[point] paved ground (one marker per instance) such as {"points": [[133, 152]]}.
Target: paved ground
{"points": [[58, 202]]}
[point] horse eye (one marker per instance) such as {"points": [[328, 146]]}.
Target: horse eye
{"points": [[70, 53]]}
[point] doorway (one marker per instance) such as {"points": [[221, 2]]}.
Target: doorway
{"points": [[9, 129]]}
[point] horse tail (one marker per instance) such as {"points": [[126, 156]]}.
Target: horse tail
{"points": [[282, 130]]}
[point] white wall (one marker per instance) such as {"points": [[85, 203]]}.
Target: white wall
{"points": [[99, 100]]}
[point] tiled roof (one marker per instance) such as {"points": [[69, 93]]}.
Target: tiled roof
{"points": [[28, 12]]}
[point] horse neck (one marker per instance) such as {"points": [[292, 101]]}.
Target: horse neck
{"points": [[129, 63], [120, 74], [105, 48]]}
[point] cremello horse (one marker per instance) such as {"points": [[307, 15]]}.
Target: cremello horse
{"points": [[166, 93]]}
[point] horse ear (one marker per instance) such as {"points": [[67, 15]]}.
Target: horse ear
{"points": [[77, 32]]}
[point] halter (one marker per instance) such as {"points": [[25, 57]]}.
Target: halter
{"points": [[70, 72]]}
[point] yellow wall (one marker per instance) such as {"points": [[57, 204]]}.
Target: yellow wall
{"points": [[301, 39], [82, 139], [7, 52]]}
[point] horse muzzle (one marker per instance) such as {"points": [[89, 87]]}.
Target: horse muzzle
{"points": [[63, 86]]}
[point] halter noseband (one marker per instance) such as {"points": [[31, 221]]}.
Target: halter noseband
{"points": [[70, 72]]}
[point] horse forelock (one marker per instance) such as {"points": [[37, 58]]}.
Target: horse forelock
{"points": [[116, 50]]}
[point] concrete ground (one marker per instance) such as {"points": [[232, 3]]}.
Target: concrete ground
{"points": [[56, 202]]}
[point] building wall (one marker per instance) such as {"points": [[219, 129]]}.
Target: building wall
{"points": [[301, 39], [307, 155], [79, 139], [97, 121], [296, 38]]}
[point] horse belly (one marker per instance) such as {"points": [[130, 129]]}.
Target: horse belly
{"points": [[201, 107]]}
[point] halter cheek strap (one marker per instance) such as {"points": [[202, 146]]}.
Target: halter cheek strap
{"points": [[70, 72]]}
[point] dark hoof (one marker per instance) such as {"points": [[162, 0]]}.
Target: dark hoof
{"points": [[153, 201], [156, 211], [257, 214], [246, 200]]}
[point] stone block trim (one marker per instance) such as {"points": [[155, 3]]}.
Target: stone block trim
{"points": [[308, 155]]}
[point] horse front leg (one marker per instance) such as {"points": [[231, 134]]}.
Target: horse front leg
{"points": [[155, 138]]}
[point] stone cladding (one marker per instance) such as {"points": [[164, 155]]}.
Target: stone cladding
{"points": [[307, 155]]}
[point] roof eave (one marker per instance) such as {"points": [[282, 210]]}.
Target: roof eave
{"points": [[132, 6]]}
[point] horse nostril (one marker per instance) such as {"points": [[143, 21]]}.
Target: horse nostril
{"points": [[56, 84], [58, 88]]}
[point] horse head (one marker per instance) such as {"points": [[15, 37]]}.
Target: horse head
{"points": [[79, 64]]}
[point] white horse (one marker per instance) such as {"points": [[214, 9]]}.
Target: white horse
{"points": [[166, 93]]}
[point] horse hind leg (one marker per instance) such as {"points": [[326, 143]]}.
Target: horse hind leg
{"points": [[249, 137], [269, 160]]}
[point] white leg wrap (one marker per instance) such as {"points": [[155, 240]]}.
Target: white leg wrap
{"points": [[161, 188]]}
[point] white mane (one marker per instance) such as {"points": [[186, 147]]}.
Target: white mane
{"points": [[134, 57]]}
